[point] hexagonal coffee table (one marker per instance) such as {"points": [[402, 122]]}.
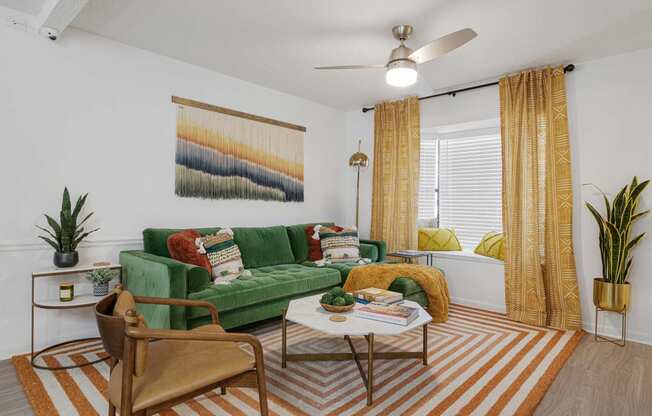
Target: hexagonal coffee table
{"points": [[308, 312]]}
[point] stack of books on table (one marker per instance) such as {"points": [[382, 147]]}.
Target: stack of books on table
{"points": [[373, 294], [393, 314]]}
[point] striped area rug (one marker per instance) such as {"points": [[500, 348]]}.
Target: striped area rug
{"points": [[480, 363]]}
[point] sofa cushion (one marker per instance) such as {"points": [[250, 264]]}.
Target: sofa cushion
{"points": [[263, 246], [182, 247], [223, 255], [299, 240], [369, 251], [155, 240], [266, 284], [339, 244]]}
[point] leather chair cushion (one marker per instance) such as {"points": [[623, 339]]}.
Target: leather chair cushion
{"points": [[124, 303], [178, 367]]}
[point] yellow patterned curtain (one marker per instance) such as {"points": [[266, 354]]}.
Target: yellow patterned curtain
{"points": [[540, 281], [396, 173]]}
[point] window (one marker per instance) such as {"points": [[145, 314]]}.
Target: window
{"points": [[460, 182]]}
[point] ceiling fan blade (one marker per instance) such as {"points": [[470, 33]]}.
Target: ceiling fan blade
{"points": [[351, 66], [442, 45]]}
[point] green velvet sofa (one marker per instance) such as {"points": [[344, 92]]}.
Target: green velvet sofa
{"points": [[277, 258]]}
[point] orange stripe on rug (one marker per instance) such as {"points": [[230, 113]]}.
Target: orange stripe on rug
{"points": [[92, 374], [36, 394], [539, 390], [479, 397], [70, 387]]}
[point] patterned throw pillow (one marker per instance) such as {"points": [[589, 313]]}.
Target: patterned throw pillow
{"points": [[314, 244], [223, 255], [182, 247], [339, 246], [438, 239], [492, 245]]}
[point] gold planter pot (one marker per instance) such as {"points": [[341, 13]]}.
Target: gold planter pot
{"points": [[611, 296]]}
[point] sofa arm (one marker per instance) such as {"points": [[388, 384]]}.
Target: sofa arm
{"points": [[381, 245], [146, 274]]}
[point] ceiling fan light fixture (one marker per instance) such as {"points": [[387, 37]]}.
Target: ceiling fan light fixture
{"points": [[401, 73]]}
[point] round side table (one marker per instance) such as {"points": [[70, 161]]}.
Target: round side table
{"points": [[81, 301]]}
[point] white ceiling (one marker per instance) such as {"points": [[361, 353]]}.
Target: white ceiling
{"points": [[276, 43], [32, 7]]}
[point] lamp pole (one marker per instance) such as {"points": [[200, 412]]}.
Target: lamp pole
{"points": [[358, 160]]}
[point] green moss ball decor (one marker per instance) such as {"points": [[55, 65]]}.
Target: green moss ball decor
{"points": [[337, 300]]}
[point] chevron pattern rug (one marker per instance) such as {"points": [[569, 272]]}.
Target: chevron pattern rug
{"points": [[480, 363]]}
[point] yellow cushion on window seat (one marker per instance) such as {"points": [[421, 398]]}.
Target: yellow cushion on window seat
{"points": [[438, 239], [492, 245]]}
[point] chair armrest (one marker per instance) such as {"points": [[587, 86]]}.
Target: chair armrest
{"points": [[175, 334], [382, 247], [180, 302]]}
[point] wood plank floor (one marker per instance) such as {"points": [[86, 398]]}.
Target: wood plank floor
{"points": [[600, 379]]}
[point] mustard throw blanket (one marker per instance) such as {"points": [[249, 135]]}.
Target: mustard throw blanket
{"points": [[381, 276]]}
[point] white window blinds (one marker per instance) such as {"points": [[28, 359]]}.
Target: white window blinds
{"points": [[470, 186], [428, 181], [460, 183]]}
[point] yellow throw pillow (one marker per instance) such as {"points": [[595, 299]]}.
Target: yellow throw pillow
{"points": [[438, 239], [492, 245]]}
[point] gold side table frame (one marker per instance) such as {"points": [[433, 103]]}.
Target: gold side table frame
{"points": [[370, 355], [623, 325], [38, 304]]}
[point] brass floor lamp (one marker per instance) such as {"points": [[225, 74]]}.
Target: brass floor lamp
{"points": [[358, 160]]}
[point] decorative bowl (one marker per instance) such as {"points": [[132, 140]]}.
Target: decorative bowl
{"points": [[337, 309]]}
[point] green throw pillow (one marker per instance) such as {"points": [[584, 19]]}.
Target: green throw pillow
{"points": [[492, 245], [438, 239]]}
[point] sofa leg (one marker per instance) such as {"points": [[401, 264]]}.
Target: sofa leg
{"points": [[222, 390], [111, 410]]}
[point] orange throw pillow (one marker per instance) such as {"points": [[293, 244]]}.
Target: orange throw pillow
{"points": [[182, 247], [314, 246]]}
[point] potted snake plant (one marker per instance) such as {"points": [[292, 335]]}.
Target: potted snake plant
{"points": [[64, 236], [611, 291]]}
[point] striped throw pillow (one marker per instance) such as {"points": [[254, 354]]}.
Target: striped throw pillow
{"points": [[340, 246], [223, 254]]}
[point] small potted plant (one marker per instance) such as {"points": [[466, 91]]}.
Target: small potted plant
{"points": [[65, 235], [611, 291], [100, 279]]}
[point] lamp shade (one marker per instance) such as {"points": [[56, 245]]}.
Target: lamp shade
{"points": [[401, 73]]}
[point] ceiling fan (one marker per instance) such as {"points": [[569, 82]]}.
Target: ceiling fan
{"points": [[401, 68]]}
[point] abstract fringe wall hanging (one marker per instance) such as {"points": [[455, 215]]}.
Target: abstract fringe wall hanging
{"points": [[227, 154]]}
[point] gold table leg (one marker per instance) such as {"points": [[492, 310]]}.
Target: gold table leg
{"points": [[370, 369], [284, 329], [370, 355], [425, 344]]}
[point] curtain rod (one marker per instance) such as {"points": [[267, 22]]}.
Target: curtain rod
{"points": [[567, 68]]}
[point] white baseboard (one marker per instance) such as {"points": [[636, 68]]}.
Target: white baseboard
{"points": [[611, 331], [606, 330], [480, 305]]}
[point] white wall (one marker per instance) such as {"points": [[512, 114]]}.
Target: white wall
{"points": [[611, 131], [611, 141], [96, 115]]}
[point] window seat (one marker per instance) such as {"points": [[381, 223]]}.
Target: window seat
{"points": [[464, 255], [473, 280]]}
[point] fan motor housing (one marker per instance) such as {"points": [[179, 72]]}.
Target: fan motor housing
{"points": [[402, 53]]}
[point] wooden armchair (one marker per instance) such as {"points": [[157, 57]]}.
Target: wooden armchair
{"points": [[148, 377]]}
